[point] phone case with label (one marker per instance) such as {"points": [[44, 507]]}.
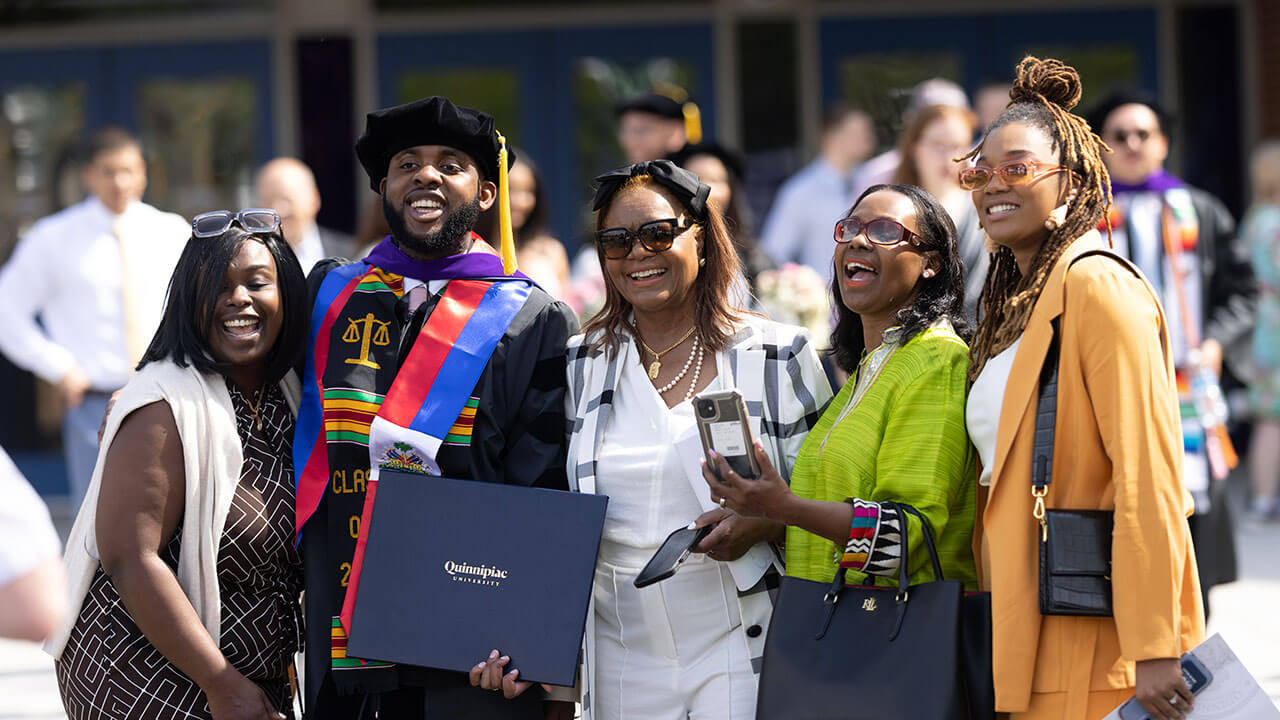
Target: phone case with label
{"points": [[723, 425]]}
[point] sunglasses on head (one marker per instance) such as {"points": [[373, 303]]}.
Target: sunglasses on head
{"points": [[1014, 172], [254, 220], [880, 231], [655, 236]]}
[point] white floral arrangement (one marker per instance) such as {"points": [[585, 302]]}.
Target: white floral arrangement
{"points": [[796, 294]]}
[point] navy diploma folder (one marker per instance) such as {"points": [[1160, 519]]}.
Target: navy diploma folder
{"points": [[455, 568]]}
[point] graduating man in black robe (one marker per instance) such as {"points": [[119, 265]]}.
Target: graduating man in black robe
{"points": [[436, 167]]}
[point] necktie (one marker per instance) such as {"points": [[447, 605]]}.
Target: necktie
{"points": [[134, 339], [417, 296]]}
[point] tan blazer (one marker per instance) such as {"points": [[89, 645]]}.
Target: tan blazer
{"points": [[1118, 447]]}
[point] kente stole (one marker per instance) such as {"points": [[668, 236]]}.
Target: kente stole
{"points": [[360, 412], [1177, 232]]}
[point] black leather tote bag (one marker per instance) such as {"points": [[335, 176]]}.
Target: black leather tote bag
{"points": [[836, 652]]}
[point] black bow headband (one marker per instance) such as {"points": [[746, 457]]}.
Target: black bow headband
{"points": [[684, 184]]}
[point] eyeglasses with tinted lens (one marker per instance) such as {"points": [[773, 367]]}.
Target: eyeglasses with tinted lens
{"points": [[1121, 137], [880, 231], [254, 220], [655, 236], [1014, 172]]}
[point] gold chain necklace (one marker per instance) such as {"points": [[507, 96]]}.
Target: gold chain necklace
{"points": [[656, 365], [253, 407]]}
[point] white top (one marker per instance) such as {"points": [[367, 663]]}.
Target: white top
{"points": [[211, 458], [309, 249], [982, 411], [800, 225], [27, 536], [640, 467], [69, 270]]}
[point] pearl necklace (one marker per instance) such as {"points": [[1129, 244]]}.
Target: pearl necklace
{"points": [[694, 359]]}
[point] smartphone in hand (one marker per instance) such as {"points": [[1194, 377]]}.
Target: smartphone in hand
{"points": [[724, 427], [674, 551], [1194, 674]]}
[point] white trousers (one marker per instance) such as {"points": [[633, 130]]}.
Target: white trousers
{"points": [[673, 650]]}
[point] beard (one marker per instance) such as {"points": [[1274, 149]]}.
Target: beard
{"points": [[448, 240]]}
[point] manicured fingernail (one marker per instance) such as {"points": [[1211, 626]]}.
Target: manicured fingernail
{"points": [[504, 658], [514, 673], [493, 654], [480, 666], [691, 525], [713, 454]]}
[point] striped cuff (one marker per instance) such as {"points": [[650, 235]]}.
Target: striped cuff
{"points": [[875, 539]]}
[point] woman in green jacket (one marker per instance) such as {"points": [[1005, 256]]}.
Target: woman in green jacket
{"points": [[896, 430]]}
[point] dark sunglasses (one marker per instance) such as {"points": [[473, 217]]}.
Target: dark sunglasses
{"points": [[1014, 172], [254, 220], [655, 236], [881, 231], [1121, 137]]}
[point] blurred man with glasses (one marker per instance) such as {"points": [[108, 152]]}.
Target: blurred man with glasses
{"points": [[95, 275], [1184, 241]]}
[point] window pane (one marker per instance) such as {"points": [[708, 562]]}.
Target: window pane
{"points": [[493, 90], [599, 83], [881, 84], [38, 164], [200, 137], [1101, 69]]}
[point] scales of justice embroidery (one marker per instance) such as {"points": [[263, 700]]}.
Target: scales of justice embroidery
{"points": [[374, 331]]}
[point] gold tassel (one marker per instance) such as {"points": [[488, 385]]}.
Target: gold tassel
{"points": [[692, 123], [507, 246]]}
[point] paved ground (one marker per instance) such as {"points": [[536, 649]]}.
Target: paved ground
{"points": [[1245, 612]]}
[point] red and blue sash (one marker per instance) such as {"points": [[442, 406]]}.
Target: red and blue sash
{"points": [[353, 425]]}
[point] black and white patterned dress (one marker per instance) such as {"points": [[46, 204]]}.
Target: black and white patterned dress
{"points": [[110, 670]]}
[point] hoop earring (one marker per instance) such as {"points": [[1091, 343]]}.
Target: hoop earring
{"points": [[702, 261]]}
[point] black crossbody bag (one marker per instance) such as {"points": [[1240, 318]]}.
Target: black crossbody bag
{"points": [[1075, 545]]}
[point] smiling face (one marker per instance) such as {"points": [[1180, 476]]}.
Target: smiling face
{"points": [[653, 282], [431, 198], [875, 281], [246, 314], [1138, 146], [1014, 215]]}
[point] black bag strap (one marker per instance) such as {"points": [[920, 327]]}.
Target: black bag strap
{"points": [[1047, 406]]}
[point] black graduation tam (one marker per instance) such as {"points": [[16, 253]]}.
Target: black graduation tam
{"points": [[731, 159], [683, 184], [429, 121], [651, 103]]}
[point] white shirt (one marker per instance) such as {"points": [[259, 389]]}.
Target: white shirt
{"points": [[27, 537], [309, 249], [982, 410], [640, 468], [803, 219], [69, 270]]}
